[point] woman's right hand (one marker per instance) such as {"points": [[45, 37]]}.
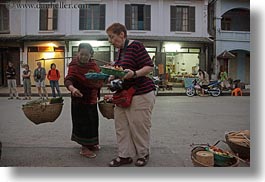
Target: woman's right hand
{"points": [[75, 92], [111, 77]]}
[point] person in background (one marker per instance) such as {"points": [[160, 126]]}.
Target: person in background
{"points": [[54, 76], [39, 77], [11, 81], [133, 124], [223, 76], [203, 80], [26, 82], [84, 95], [168, 75]]}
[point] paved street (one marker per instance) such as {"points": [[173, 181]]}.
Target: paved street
{"points": [[178, 121]]}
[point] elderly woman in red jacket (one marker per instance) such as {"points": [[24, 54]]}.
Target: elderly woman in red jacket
{"points": [[84, 93]]}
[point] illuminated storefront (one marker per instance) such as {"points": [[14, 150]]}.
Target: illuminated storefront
{"points": [[173, 61], [46, 53]]}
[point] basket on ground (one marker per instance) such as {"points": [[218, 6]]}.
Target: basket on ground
{"points": [[233, 162], [106, 109], [240, 145], [42, 113]]}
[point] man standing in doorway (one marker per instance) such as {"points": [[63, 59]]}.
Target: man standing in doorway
{"points": [[11, 80], [39, 77]]}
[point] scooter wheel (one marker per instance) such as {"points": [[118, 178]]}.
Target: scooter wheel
{"points": [[190, 92], [216, 92]]}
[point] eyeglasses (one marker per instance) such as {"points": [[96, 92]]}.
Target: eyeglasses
{"points": [[112, 36]]}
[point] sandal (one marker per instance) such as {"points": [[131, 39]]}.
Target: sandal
{"points": [[120, 161], [94, 148], [87, 153], [142, 161]]}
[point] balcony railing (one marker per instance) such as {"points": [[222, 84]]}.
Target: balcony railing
{"points": [[233, 35]]}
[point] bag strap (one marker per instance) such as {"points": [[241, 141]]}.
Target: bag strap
{"points": [[121, 56]]}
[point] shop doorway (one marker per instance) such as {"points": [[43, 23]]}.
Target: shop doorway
{"points": [[46, 56], [6, 55], [181, 65]]}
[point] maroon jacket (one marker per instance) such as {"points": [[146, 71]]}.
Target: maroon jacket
{"points": [[76, 77]]}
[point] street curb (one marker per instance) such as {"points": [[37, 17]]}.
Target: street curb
{"points": [[102, 94]]}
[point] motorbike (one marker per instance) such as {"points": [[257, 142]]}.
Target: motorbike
{"points": [[156, 81], [213, 88]]}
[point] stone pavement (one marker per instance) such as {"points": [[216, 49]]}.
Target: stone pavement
{"points": [[67, 157], [177, 122]]}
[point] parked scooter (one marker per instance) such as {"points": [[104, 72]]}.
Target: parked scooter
{"points": [[212, 89], [156, 81]]}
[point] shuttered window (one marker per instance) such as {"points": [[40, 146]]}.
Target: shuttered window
{"points": [[182, 18], [48, 19], [138, 17], [4, 18], [92, 17]]}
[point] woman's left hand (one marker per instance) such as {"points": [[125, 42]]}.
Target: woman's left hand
{"points": [[129, 74]]}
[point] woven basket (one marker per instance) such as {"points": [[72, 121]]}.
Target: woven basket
{"points": [[233, 163], [106, 109], [43, 113], [242, 151]]}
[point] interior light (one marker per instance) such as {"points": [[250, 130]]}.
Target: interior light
{"points": [[93, 43], [171, 47], [51, 44], [48, 55]]}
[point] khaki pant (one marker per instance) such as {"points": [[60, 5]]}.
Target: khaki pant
{"points": [[133, 126], [27, 87], [12, 87]]}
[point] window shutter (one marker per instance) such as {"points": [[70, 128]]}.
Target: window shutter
{"points": [[89, 17], [102, 8], [43, 19], [82, 19], [147, 17], [192, 19], [5, 18], [172, 18], [55, 19], [128, 17]]}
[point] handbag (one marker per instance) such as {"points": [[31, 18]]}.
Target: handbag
{"points": [[123, 98]]}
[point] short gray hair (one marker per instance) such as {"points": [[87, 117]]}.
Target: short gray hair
{"points": [[86, 46]]}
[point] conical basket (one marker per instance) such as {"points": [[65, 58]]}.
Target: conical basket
{"points": [[43, 113], [106, 109]]}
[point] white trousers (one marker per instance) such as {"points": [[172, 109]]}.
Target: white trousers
{"points": [[133, 126]]}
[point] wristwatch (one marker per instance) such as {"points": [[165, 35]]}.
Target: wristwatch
{"points": [[134, 74]]}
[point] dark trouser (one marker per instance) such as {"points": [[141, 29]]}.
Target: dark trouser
{"points": [[55, 85], [85, 124]]}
